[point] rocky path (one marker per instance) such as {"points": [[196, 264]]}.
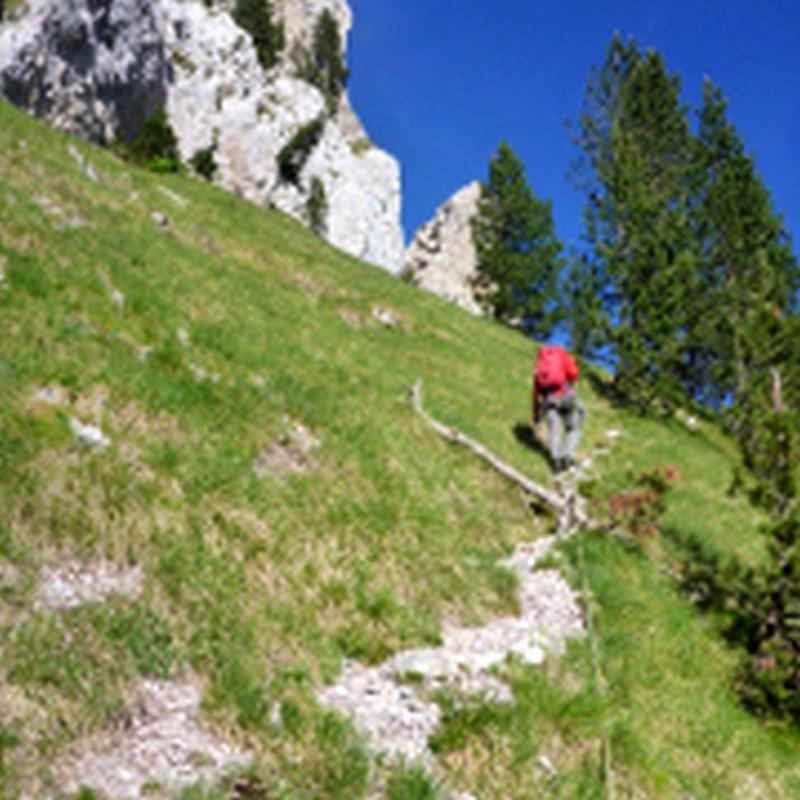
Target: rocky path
{"points": [[388, 703]]}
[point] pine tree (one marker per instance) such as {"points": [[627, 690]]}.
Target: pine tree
{"points": [[635, 138], [746, 260], [583, 308], [518, 253], [768, 431], [255, 16], [325, 67]]}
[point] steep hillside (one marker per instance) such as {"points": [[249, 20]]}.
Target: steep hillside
{"points": [[214, 485]]}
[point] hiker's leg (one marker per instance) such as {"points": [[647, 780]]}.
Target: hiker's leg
{"points": [[574, 423], [555, 435]]}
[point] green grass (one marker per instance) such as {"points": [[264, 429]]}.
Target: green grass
{"points": [[235, 323]]}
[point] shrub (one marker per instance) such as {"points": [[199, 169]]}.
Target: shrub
{"points": [[203, 162], [293, 156], [255, 16], [317, 207], [324, 67], [156, 145]]}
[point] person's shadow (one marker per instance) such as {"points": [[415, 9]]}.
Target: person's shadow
{"points": [[525, 434]]}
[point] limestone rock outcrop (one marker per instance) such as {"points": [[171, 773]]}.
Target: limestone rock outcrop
{"points": [[442, 257], [98, 68], [88, 67]]}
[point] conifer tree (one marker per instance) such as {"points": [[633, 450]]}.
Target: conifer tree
{"points": [[746, 258], [518, 253], [255, 16], [635, 138], [325, 67], [768, 431]]}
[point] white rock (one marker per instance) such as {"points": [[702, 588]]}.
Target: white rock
{"points": [[160, 219], [73, 584], [90, 435], [162, 741], [195, 61], [442, 257], [44, 55]]}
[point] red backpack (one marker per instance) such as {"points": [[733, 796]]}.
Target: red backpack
{"points": [[551, 368]]}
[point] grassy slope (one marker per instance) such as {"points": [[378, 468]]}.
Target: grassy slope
{"points": [[263, 584]]}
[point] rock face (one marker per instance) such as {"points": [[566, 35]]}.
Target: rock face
{"points": [[87, 66], [98, 68], [442, 257]]}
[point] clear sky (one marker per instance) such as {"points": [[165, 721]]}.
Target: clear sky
{"points": [[439, 83]]}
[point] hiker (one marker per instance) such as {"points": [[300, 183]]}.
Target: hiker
{"points": [[554, 397]]}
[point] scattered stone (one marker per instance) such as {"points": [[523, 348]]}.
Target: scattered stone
{"points": [[613, 433], [386, 317], [90, 435], [547, 765], [48, 206], [689, 420], [9, 575], [307, 283], [54, 395], [351, 318], [159, 741], [83, 164], [173, 196], [118, 299], [183, 337], [259, 381], [202, 374], [74, 584], [289, 454], [160, 219], [142, 351], [398, 722]]}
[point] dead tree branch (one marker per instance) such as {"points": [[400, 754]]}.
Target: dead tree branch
{"points": [[554, 501]]}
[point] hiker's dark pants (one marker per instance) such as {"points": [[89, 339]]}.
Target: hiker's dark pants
{"points": [[564, 417]]}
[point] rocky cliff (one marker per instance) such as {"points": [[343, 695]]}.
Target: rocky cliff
{"points": [[99, 68], [441, 258]]}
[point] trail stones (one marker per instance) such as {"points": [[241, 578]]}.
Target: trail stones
{"points": [[398, 721], [83, 164], [159, 741], [160, 219], [53, 395], [386, 317], [394, 719], [73, 584], [90, 435], [290, 454]]}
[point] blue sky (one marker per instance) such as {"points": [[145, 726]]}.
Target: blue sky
{"points": [[439, 84]]}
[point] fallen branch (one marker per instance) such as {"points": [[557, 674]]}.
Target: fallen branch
{"points": [[558, 504]]}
